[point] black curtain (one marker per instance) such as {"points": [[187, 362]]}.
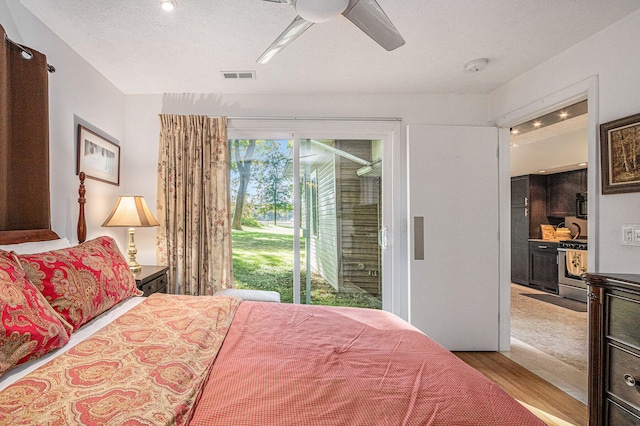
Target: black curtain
{"points": [[24, 139]]}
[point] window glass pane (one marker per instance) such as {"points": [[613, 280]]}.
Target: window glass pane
{"points": [[340, 212]]}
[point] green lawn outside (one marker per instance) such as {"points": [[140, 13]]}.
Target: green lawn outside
{"points": [[263, 260]]}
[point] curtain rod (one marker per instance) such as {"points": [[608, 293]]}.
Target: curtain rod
{"points": [[319, 118], [27, 52]]}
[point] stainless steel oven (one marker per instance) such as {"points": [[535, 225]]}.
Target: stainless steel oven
{"points": [[569, 285]]}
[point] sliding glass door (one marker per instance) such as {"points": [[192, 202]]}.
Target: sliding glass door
{"points": [[308, 217]]}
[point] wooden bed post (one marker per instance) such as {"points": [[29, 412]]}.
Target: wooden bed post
{"points": [[82, 224]]}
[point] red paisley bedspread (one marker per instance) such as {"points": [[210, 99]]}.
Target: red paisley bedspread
{"points": [[146, 368], [285, 364]]}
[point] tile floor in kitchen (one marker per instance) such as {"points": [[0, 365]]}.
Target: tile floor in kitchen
{"points": [[550, 341]]}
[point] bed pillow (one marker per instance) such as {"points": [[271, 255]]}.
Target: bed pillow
{"points": [[30, 327], [37, 246], [83, 281]]}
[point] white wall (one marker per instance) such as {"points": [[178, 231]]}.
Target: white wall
{"points": [[75, 89], [613, 56]]}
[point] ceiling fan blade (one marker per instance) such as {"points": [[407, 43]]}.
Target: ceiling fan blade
{"points": [[297, 27], [370, 18], [281, 1]]}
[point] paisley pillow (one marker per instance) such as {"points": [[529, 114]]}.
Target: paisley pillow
{"points": [[30, 327], [83, 281]]}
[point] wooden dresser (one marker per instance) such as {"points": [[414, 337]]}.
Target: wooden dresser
{"points": [[614, 349]]}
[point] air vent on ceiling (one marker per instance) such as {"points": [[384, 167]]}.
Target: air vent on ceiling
{"points": [[230, 75]]}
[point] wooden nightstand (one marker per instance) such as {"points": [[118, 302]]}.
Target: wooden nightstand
{"points": [[152, 279]]}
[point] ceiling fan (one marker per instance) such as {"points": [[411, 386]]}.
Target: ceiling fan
{"points": [[365, 14]]}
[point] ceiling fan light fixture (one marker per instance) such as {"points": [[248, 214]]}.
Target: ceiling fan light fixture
{"points": [[320, 11], [367, 15], [168, 5]]}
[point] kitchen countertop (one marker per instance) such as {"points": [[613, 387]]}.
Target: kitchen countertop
{"points": [[540, 240]]}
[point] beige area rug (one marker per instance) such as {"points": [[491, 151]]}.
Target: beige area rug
{"points": [[554, 330]]}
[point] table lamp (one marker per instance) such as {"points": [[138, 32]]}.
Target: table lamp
{"points": [[131, 211]]}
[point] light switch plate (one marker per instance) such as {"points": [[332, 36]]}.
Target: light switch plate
{"points": [[630, 235]]}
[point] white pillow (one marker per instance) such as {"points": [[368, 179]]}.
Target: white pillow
{"points": [[37, 246]]}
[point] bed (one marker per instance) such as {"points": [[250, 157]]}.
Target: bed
{"points": [[81, 346]]}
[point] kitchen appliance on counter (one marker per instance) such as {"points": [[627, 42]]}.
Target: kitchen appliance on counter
{"points": [[581, 205], [578, 227], [562, 233], [572, 261]]}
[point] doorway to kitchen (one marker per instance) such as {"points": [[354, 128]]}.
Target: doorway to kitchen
{"points": [[549, 236]]}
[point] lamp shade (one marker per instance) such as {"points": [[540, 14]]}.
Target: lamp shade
{"points": [[131, 211]]}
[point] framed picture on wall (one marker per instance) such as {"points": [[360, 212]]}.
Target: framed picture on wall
{"points": [[98, 157], [620, 155]]}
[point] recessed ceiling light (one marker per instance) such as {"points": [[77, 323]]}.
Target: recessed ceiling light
{"points": [[566, 113], [168, 5]]}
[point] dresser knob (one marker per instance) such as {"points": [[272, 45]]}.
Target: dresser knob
{"points": [[629, 380]]}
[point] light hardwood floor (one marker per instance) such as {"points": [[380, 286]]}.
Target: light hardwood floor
{"points": [[549, 341], [546, 401]]}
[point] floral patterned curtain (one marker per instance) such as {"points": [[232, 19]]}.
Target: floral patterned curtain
{"points": [[194, 237]]}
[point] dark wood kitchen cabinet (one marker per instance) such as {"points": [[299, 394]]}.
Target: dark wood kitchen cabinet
{"points": [[543, 265], [561, 192], [528, 211]]}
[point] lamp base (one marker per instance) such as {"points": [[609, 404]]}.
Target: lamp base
{"points": [[134, 266]]}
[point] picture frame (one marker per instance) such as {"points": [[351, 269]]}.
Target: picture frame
{"points": [[620, 155], [98, 157]]}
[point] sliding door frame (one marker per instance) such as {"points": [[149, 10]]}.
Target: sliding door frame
{"points": [[394, 291]]}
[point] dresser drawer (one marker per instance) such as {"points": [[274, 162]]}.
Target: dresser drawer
{"points": [[148, 288], [624, 371], [152, 279], [618, 416], [623, 314], [157, 285], [161, 284]]}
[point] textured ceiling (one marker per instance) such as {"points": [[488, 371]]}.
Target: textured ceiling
{"points": [[143, 49]]}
